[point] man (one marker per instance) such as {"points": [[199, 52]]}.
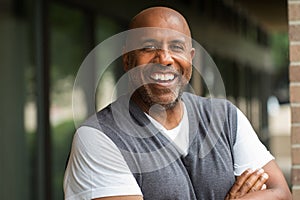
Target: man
{"points": [[158, 142]]}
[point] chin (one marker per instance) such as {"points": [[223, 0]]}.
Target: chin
{"points": [[170, 105], [166, 99], [168, 102]]}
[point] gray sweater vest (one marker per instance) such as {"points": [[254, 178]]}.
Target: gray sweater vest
{"points": [[161, 171]]}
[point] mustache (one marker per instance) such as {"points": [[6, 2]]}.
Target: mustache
{"points": [[153, 67]]}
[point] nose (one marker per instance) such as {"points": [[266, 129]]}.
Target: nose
{"points": [[164, 57]]}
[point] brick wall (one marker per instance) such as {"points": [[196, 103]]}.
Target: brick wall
{"points": [[294, 36]]}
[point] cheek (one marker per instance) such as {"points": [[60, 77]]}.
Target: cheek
{"points": [[186, 67], [132, 61], [135, 60], [142, 60]]}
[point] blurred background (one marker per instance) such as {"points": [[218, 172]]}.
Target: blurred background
{"points": [[44, 42]]}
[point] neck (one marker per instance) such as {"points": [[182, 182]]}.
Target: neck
{"points": [[169, 118]]}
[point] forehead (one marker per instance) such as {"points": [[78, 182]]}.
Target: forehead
{"points": [[136, 36], [161, 34]]}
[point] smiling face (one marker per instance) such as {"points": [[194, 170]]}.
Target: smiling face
{"points": [[160, 64]]}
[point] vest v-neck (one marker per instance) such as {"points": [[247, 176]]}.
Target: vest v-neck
{"points": [[179, 135]]}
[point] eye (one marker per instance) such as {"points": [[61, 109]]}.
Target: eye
{"points": [[176, 48], [149, 48]]}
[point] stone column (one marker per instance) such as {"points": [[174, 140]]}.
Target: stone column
{"points": [[294, 68]]}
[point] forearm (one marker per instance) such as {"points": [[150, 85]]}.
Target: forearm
{"points": [[129, 197], [249, 185], [268, 194]]}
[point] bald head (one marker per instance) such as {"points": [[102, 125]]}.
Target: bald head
{"points": [[161, 17]]}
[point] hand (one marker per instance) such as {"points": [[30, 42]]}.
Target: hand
{"points": [[249, 181]]}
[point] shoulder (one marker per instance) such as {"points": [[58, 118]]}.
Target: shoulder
{"points": [[96, 168], [102, 118], [218, 113], [88, 135], [93, 152], [208, 104], [93, 142]]}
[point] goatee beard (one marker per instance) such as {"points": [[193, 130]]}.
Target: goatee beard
{"points": [[150, 101]]}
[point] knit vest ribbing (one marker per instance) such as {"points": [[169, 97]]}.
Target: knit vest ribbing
{"points": [[162, 173]]}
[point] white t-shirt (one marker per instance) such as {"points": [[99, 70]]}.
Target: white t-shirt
{"points": [[103, 171]]}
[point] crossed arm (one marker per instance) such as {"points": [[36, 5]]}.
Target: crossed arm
{"points": [[250, 185]]}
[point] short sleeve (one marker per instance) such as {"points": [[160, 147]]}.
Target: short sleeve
{"points": [[96, 168], [248, 151]]}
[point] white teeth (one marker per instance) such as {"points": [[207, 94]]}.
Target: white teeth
{"points": [[162, 77]]}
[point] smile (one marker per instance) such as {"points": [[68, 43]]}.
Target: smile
{"points": [[163, 77]]}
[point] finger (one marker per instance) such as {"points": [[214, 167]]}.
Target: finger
{"points": [[260, 183], [245, 174], [240, 181], [264, 187], [250, 182]]}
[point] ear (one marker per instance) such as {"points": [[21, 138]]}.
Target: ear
{"points": [[125, 59], [192, 53], [129, 60]]}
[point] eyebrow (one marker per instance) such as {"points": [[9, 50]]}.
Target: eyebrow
{"points": [[156, 41], [148, 40], [178, 41]]}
